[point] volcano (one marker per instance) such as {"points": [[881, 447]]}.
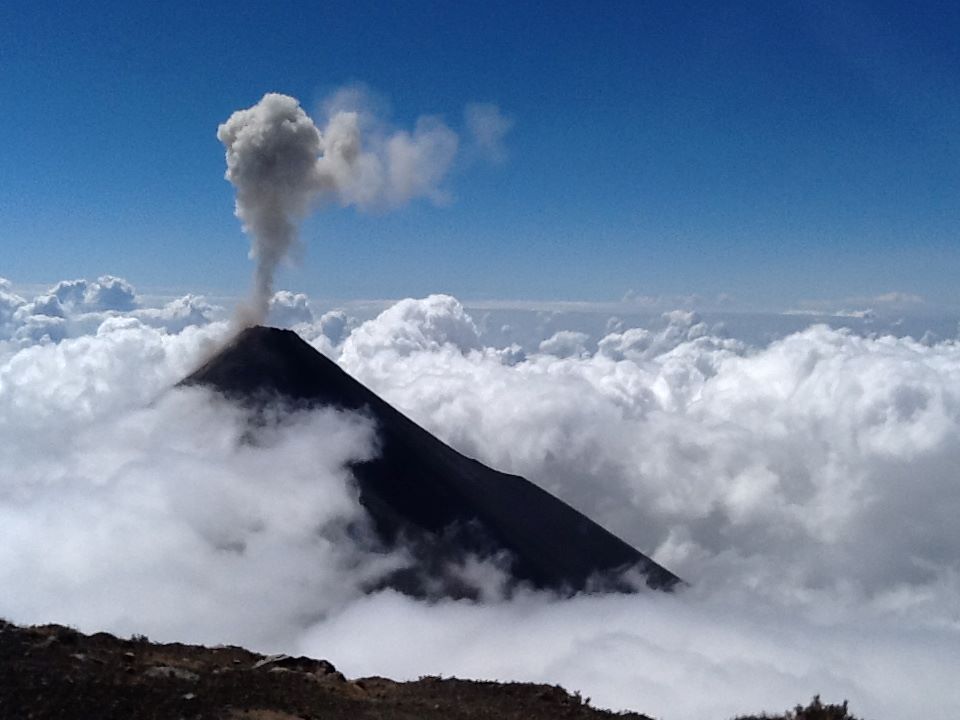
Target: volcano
{"points": [[421, 492]]}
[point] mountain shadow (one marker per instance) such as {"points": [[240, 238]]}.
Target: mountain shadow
{"points": [[421, 492]]}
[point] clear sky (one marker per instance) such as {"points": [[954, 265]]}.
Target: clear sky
{"points": [[773, 152]]}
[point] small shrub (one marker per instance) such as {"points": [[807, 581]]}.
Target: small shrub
{"points": [[816, 710]]}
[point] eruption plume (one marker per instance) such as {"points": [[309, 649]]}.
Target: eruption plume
{"points": [[272, 157], [282, 165]]}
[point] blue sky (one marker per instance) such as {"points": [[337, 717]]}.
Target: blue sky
{"points": [[776, 153]]}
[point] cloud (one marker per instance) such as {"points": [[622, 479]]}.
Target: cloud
{"points": [[335, 325], [123, 365], [565, 343], [411, 326], [110, 293], [632, 299], [673, 657], [180, 313], [179, 519], [48, 305], [70, 292], [899, 298], [126, 505], [40, 328], [106, 293], [74, 308], [806, 487], [288, 309], [865, 306], [712, 456], [10, 303], [488, 127]]}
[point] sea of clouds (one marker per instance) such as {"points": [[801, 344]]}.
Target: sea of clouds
{"points": [[806, 485]]}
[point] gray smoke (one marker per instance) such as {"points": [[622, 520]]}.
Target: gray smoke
{"points": [[272, 151], [282, 164]]}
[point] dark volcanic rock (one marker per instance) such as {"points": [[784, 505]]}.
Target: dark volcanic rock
{"points": [[422, 490]]}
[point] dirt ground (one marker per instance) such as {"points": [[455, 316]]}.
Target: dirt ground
{"points": [[53, 672], [56, 672]]}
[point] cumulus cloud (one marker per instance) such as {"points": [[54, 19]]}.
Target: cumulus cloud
{"points": [[328, 332], [34, 328], [806, 487], [707, 453], [180, 313], [110, 293], [565, 343], [48, 305], [335, 324], [10, 302], [769, 475], [105, 293], [411, 326], [288, 309], [70, 292], [74, 308]]}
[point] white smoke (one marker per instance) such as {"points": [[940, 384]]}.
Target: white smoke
{"points": [[282, 165], [805, 487]]}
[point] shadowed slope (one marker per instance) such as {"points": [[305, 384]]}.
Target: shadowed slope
{"points": [[420, 487]]}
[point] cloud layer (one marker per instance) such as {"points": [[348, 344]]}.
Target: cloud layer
{"points": [[806, 487]]}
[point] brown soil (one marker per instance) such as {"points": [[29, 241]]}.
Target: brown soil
{"points": [[51, 672]]}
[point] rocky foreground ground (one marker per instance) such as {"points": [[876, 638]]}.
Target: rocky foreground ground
{"points": [[52, 671]]}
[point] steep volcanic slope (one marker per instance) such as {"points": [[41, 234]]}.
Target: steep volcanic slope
{"points": [[423, 490]]}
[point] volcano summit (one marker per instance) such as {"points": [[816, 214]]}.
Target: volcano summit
{"points": [[419, 491]]}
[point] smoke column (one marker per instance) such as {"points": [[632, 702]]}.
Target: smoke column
{"points": [[272, 153], [282, 164]]}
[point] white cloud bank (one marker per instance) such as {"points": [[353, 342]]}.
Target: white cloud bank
{"points": [[74, 308], [807, 489]]}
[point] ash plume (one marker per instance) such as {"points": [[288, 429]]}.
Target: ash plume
{"points": [[272, 153], [283, 165]]}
